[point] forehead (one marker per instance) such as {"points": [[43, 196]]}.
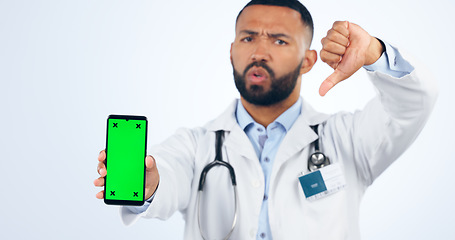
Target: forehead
{"points": [[270, 18]]}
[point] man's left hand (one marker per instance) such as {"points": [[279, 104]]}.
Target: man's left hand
{"points": [[346, 48]]}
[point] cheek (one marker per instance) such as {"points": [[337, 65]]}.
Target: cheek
{"points": [[285, 63], [237, 60], [287, 54]]}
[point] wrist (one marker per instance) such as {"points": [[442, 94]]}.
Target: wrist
{"points": [[375, 51]]}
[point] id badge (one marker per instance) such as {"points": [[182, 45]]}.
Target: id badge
{"points": [[323, 182]]}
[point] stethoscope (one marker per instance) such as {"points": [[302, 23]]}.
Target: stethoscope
{"points": [[316, 161], [217, 162]]}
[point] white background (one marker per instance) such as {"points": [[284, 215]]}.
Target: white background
{"points": [[66, 65]]}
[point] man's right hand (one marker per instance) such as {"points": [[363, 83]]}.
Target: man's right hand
{"points": [[152, 176]]}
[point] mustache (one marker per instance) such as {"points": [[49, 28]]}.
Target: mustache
{"points": [[262, 65]]}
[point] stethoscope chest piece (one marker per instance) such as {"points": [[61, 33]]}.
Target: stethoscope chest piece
{"points": [[317, 160]]}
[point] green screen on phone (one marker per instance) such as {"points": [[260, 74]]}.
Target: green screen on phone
{"points": [[125, 160]]}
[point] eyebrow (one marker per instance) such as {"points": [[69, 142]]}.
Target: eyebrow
{"points": [[272, 35]]}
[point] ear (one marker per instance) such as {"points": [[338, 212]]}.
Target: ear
{"points": [[311, 56], [230, 52]]}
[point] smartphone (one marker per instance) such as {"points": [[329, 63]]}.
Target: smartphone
{"points": [[126, 144]]}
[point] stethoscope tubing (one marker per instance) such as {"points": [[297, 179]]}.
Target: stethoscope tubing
{"points": [[210, 166], [217, 162], [319, 161], [234, 222]]}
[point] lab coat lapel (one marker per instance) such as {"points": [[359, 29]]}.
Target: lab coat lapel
{"points": [[300, 135], [235, 138], [295, 140], [237, 141]]}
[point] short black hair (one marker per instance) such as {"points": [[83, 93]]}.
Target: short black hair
{"points": [[293, 4]]}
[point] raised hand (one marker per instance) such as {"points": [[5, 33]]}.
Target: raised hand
{"points": [[346, 48]]}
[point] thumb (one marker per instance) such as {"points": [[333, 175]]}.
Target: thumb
{"points": [[152, 176], [150, 163], [336, 77]]}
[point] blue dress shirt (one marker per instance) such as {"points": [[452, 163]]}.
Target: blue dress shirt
{"points": [[266, 142]]}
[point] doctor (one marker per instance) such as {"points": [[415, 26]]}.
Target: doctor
{"points": [[269, 134]]}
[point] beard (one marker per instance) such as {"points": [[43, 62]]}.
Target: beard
{"points": [[280, 88]]}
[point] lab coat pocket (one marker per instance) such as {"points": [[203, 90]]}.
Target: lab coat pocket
{"points": [[329, 212]]}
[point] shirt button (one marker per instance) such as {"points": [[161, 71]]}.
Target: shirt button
{"points": [[252, 233], [266, 197], [262, 235], [260, 129], [267, 159]]}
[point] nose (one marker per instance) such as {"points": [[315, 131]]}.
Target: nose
{"points": [[261, 52]]}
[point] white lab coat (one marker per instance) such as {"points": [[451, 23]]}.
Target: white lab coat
{"points": [[365, 143]]}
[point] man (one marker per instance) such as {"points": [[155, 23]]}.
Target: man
{"points": [[270, 133]]}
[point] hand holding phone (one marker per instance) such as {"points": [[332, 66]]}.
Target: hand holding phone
{"points": [[127, 179], [152, 176]]}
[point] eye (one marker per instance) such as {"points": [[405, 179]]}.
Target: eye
{"points": [[280, 42], [247, 39]]}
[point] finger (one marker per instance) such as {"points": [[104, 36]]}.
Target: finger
{"points": [[336, 77], [325, 87], [149, 163], [102, 156], [100, 195], [152, 177], [101, 169], [333, 47], [341, 27], [330, 58], [337, 37], [99, 182]]}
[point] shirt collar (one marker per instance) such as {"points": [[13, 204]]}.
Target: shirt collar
{"points": [[286, 119], [243, 117]]}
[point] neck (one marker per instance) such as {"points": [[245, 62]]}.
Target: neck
{"points": [[265, 115]]}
